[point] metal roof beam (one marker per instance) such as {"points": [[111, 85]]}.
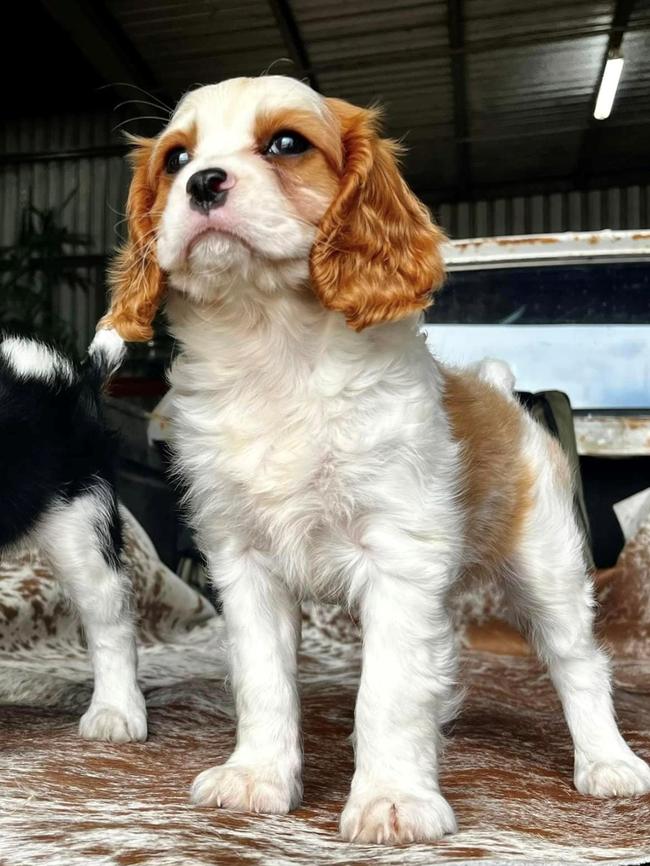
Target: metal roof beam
{"points": [[293, 40], [456, 31], [104, 45], [590, 137]]}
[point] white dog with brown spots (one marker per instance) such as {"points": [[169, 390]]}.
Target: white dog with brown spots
{"points": [[329, 455]]}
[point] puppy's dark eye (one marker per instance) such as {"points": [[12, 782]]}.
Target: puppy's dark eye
{"points": [[287, 143], [176, 159]]}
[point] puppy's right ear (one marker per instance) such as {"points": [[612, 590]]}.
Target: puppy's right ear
{"points": [[137, 284]]}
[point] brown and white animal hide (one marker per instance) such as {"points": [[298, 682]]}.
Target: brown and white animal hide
{"points": [[68, 802]]}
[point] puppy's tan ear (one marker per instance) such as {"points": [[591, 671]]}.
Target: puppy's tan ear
{"points": [[135, 279], [377, 254]]}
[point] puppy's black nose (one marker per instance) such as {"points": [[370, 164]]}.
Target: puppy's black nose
{"points": [[205, 189]]}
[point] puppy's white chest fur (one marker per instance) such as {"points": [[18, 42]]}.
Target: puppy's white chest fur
{"points": [[292, 443]]}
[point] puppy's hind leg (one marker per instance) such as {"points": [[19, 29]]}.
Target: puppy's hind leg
{"points": [[82, 539], [553, 593]]}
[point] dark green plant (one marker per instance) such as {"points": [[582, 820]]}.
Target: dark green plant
{"points": [[34, 269]]}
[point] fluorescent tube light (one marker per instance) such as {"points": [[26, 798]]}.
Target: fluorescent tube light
{"points": [[608, 87]]}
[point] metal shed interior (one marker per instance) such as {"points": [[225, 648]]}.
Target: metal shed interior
{"points": [[490, 97], [493, 100]]}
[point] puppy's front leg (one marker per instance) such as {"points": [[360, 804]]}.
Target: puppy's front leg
{"points": [[404, 697], [263, 774]]}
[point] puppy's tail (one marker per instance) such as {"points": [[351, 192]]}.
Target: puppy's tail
{"points": [[105, 354], [496, 373]]}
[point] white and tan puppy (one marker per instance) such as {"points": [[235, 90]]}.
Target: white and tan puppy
{"points": [[329, 455]]}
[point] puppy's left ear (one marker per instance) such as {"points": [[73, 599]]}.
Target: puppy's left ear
{"points": [[377, 254]]}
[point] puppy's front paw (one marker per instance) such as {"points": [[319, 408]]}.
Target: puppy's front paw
{"points": [[123, 724], [622, 778], [394, 819], [245, 789]]}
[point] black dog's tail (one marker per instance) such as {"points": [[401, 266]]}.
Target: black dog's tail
{"points": [[105, 354]]}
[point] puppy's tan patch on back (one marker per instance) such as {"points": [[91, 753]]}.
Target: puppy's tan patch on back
{"points": [[497, 482]]}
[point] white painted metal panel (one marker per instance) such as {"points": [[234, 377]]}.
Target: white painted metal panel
{"points": [[518, 250]]}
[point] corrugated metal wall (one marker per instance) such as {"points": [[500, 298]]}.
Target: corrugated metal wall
{"points": [[74, 159], [45, 161], [615, 208]]}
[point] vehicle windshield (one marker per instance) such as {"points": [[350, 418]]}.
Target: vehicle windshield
{"points": [[583, 328], [602, 293]]}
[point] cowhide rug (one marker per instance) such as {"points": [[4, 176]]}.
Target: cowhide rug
{"points": [[507, 767]]}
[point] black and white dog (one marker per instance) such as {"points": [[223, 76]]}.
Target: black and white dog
{"points": [[57, 487]]}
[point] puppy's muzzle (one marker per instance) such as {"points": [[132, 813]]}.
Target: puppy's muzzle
{"points": [[208, 189]]}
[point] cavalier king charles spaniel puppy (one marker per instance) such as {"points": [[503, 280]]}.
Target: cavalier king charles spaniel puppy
{"points": [[58, 489], [330, 456]]}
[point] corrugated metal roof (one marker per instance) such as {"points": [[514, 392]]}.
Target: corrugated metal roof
{"points": [[550, 74], [633, 97], [199, 42], [537, 20], [527, 73]]}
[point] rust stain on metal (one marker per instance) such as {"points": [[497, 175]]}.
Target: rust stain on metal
{"points": [[613, 436], [512, 242], [505, 242], [635, 423], [481, 246]]}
